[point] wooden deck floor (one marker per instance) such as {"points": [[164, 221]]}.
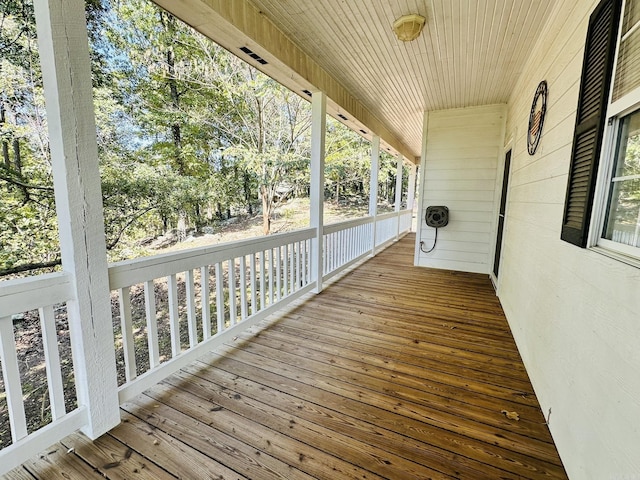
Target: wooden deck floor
{"points": [[392, 372]]}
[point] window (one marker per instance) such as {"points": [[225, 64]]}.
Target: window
{"points": [[607, 135], [597, 68], [622, 221]]}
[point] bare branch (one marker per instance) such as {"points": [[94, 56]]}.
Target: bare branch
{"points": [[15, 181], [30, 266], [115, 241]]}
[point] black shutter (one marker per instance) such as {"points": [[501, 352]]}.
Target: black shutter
{"points": [[590, 120]]}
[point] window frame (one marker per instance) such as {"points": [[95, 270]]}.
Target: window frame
{"points": [[616, 110]]}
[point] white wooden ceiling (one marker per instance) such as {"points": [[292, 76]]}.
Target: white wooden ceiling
{"points": [[470, 52]]}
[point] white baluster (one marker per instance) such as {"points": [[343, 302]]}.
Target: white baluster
{"points": [[126, 327], [152, 323], [52, 361]]}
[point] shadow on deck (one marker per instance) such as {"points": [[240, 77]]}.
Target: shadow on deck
{"points": [[392, 372]]}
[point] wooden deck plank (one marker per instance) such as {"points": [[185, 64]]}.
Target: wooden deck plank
{"points": [[392, 372], [19, 473], [477, 372], [58, 463], [389, 412], [361, 427], [295, 434], [458, 401], [465, 380], [114, 459], [412, 346], [409, 323], [211, 441], [169, 453]]}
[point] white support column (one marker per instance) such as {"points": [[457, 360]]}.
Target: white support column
{"points": [[64, 55], [373, 187], [398, 200], [318, 130], [411, 194]]}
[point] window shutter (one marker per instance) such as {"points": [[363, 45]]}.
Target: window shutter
{"points": [[590, 120]]}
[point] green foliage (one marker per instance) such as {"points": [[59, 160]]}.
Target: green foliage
{"points": [[187, 135]]}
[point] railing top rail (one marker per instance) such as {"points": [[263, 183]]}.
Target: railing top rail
{"points": [[385, 216], [23, 294], [336, 227], [131, 272]]}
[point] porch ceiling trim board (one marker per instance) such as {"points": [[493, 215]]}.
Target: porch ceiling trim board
{"points": [[238, 23]]}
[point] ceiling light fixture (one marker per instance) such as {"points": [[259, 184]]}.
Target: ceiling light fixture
{"points": [[408, 27]]}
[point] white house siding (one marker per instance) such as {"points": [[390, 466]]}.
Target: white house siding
{"points": [[575, 313], [460, 165]]}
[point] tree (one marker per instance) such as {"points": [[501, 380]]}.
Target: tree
{"points": [[274, 145], [28, 232], [346, 163], [186, 132]]}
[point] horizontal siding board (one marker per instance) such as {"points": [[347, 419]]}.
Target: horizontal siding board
{"points": [[464, 185], [478, 138], [543, 191], [463, 174], [458, 256], [460, 195], [460, 167], [458, 246], [469, 227], [427, 234], [474, 155], [544, 169], [462, 206]]}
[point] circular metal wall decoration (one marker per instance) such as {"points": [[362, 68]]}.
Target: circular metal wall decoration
{"points": [[536, 117]]}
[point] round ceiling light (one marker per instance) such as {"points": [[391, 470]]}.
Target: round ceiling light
{"points": [[408, 27]]}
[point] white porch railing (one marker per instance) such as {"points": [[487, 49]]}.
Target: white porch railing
{"points": [[345, 243], [208, 293], [406, 220], [40, 293], [171, 309]]}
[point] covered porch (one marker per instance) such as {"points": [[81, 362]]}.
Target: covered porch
{"points": [[393, 371]]}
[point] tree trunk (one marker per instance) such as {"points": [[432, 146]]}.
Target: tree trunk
{"points": [[5, 145], [266, 211], [182, 226], [17, 162], [17, 158], [174, 95], [175, 101], [246, 184], [199, 219]]}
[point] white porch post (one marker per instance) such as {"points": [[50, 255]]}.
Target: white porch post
{"points": [[318, 130], [64, 54], [373, 187], [411, 195], [398, 199]]}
